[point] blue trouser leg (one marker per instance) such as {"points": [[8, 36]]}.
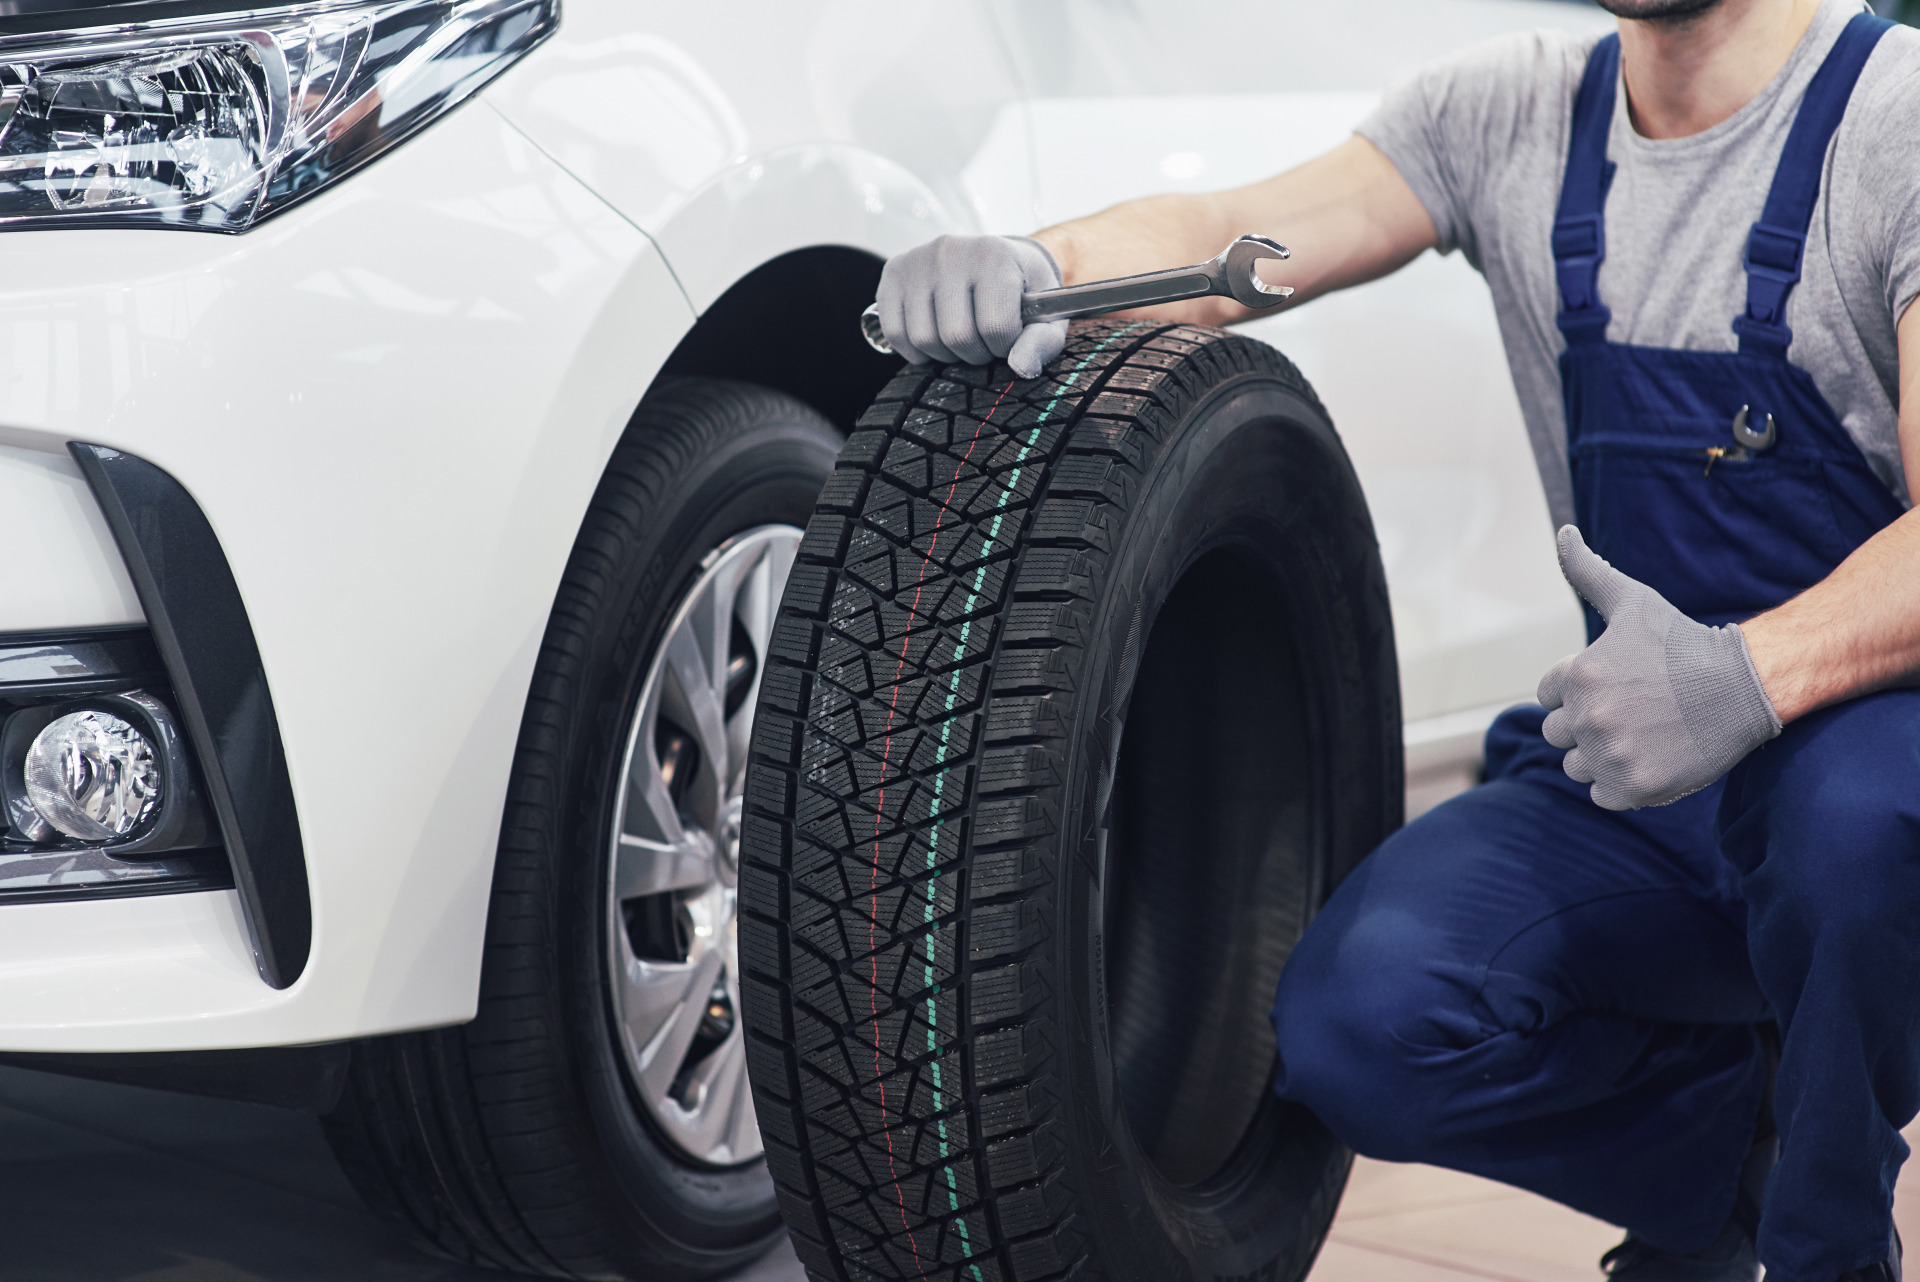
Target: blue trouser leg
{"points": [[1823, 825], [1524, 986]]}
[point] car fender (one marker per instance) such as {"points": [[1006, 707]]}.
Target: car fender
{"points": [[796, 198], [825, 124]]}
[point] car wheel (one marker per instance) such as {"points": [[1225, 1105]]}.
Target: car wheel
{"points": [[1082, 698], [594, 1119]]}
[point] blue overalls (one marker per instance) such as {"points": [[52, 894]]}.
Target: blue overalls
{"points": [[1525, 986]]}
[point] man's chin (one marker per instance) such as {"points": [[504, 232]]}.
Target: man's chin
{"points": [[1659, 10]]}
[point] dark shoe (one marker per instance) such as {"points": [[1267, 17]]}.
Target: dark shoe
{"points": [[1729, 1257], [1888, 1270], [1885, 1271], [1725, 1261]]}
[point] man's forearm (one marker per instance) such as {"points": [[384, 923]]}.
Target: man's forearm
{"points": [[1147, 235], [1856, 631], [1347, 216]]}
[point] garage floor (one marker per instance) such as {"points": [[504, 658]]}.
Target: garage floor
{"points": [[106, 1183]]}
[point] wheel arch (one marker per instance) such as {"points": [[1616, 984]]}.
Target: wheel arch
{"points": [[792, 324]]}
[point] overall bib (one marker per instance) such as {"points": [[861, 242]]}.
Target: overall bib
{"points": [[1525, 986]]}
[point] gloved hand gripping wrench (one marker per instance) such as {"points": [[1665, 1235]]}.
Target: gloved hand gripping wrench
{"points": [[1230, 274]]}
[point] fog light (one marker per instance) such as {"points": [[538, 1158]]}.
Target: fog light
{"points": [[92, 775]]}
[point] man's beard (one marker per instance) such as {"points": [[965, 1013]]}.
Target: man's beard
{"points": [[1673, 11]]}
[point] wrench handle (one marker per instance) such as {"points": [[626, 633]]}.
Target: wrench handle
{"points": [[1096, 298], [1099, 297]]}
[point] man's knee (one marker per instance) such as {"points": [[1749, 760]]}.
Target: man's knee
{"points": [[1367, 1026]]}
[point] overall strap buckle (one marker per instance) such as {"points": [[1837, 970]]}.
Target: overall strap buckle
{"points": [[1778, 242], [1773, 261], [1579, 247], [1579, 222]]}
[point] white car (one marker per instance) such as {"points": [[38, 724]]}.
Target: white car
{"points": [[409, 414]]}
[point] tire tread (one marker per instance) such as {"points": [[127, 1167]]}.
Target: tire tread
{"points": [[897, 983]]}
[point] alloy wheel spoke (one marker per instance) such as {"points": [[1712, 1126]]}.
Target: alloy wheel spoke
{"points": [[716, 1085], [643, 867], [648, 813], [654, 992], [755, 603], [660, 1058], [775, 568], [697, 692], [743, 1126]]}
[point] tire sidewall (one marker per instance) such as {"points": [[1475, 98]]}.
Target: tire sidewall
{"points": [[1142, 1226], [766, 470]]}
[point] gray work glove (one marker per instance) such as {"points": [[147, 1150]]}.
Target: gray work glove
{"points": [[957, 298], [1659, 706]]}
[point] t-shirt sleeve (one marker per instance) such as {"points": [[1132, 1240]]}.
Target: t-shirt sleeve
{"points": [[1455, 121], [1885, 172]]}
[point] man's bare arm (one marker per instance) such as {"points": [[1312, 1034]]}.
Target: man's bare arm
{"points": [[1347, 216], [1857, 630]]}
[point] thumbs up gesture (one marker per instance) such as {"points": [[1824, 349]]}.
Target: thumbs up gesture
{"points": [[1659, 706]]}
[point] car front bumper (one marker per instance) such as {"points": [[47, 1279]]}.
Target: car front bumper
{"points": [[392, 404]]}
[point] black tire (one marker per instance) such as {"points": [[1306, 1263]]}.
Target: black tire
{"points": [[1008, 969], [517, 1141]]}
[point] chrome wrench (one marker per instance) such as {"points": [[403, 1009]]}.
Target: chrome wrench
{"points": [[1230, 274]]}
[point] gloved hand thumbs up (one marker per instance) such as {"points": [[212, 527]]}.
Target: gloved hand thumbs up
{"points": [[1605, 588], [1660, 705]]}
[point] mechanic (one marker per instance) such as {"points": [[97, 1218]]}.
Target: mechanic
{"points": [[1664, 965]]}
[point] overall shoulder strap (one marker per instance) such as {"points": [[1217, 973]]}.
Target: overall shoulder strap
{"points": [[1579, 225], [1778, 241]]}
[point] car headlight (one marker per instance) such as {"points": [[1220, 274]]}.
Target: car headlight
{"points": [[216, 123]]}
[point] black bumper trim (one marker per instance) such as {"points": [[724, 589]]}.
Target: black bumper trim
{"points": [[200, 626], [309, 1078]]}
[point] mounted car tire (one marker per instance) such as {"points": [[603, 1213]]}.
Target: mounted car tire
{"points": [[593, 1120], [1082, 698]]}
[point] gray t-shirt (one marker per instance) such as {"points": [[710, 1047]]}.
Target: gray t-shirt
{"points": [[1482, 140]]}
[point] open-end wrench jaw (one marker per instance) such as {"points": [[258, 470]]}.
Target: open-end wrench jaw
{"points": [[1232, 273], [1240, 269]]}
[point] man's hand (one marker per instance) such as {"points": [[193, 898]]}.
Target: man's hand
{"points": [[957, 298], [1659, 706]]}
